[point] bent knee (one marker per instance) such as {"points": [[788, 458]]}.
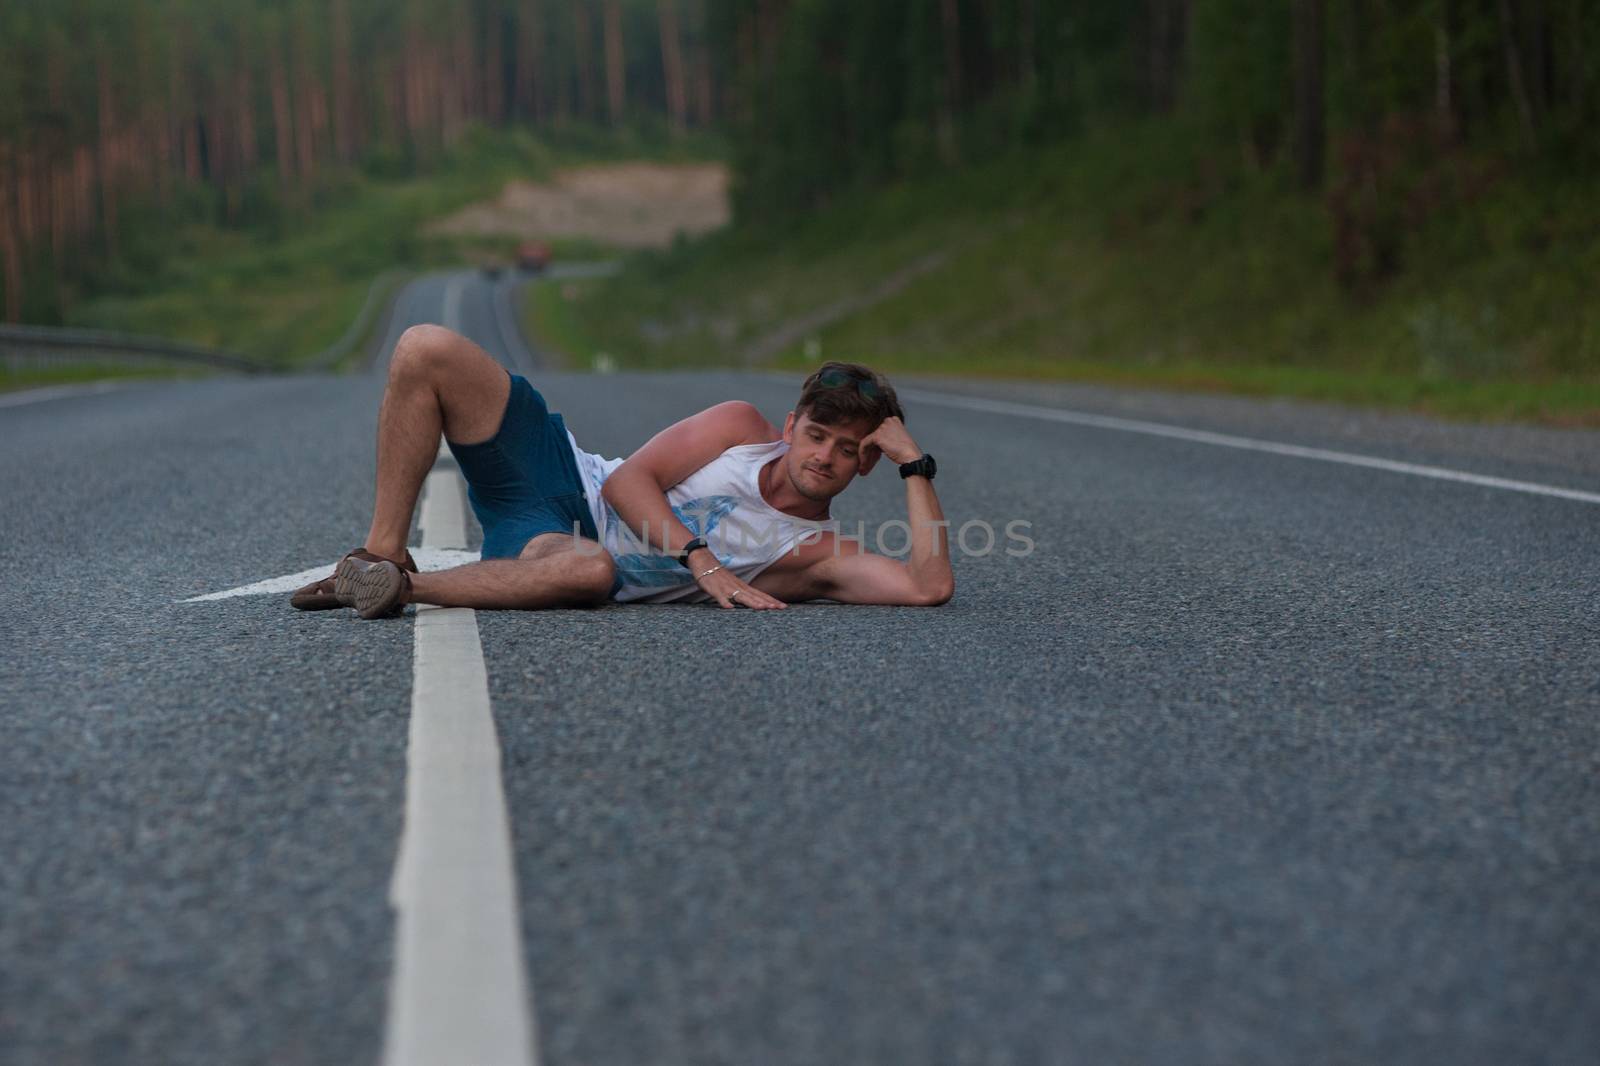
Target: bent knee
{"points": [[594, 571], [424, 351]]}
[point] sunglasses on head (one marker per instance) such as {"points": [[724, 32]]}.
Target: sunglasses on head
{"points": [[832, 379]]}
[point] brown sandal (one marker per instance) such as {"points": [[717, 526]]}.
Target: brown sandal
{"points": [[375, 589], [319, 595]]}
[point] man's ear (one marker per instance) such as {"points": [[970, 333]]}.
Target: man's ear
{"points": [[788, 428], [869, 459]]}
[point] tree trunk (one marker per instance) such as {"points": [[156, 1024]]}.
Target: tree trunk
{"points": [[389, 106], [950, 20], [1358, 74], [20, 172], [616, 64], [747, 48], [1541, 88], [1158, 65], [494, 82], [458, 84], [584, 45], [1310, 132], [282, 119], [60, 210], [83, 188], [245, 112], [310, 109], [108, 172], [529, 89], [180, 109], [217, 168], [769, 30], [1444, 109], [1027, 49], [704, 80], [1581, 58], [221, 153], [344, 119], [410, 77], [163, 154], [672, 65], [1519, 85], [10, 253]]}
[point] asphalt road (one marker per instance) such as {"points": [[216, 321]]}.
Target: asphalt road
{"points": [[1252, 759]]}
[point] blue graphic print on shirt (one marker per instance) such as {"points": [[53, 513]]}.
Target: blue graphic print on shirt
{"points": [[661, 571]]}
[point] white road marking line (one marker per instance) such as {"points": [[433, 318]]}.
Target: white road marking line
{"points": [[1224, 440], [452, 302], [459, 993], [57, 392], [444, 516], [426, 559]]}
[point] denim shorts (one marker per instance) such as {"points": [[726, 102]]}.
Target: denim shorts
{"points": [[524, 481]]}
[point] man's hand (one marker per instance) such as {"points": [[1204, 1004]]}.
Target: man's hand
{"points": [[728, 590], [892, 440]]}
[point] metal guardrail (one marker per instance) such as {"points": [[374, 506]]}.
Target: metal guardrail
{"points": [[44, 345]]}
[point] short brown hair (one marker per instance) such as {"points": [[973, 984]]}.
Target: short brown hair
{"points": [[848, 392]]}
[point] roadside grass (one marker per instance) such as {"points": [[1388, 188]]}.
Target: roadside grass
{"points": [[1130, 260], [546, 314], [14, 379]]}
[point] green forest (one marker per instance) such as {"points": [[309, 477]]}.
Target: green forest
{"points": [[1432, 161], [123, 119], [1340, 93]]}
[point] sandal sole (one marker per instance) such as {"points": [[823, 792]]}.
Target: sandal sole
{"points": [[373, 589]]}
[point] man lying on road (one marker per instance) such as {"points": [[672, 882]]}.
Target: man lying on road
{"points": [[718, 507]]}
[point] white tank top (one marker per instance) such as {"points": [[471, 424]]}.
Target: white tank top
{"points": [[721, 502]]}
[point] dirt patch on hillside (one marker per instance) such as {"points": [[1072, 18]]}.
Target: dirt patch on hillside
{"points": [[629, 205]]}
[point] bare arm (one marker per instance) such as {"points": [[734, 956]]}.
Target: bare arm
{"points": [[637, 490], [925, 579]]}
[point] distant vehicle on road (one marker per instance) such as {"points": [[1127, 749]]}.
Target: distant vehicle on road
{"points": [[492, 271], [533, 256]]}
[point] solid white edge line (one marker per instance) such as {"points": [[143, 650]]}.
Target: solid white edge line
{"points": [[426, 558], [459, 992], [1224, 440], [58, 392]]}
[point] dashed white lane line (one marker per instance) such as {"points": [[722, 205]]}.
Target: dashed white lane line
{"points": [[1224, 440], [459, 992], [452, 302]]}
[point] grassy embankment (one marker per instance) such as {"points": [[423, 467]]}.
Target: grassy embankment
{"points": [[1092, 262], [283, 293]]}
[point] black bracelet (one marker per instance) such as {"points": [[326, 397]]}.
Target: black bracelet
{"points": [[683, 556]]}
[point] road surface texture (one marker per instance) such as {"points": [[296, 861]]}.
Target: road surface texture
{"points": [[1253, 758]]}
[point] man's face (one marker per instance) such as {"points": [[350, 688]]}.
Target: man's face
{"points": [[823, 459]]}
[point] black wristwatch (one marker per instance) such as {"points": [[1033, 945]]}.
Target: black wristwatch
{"points": [[924, 466], [683, 556]]}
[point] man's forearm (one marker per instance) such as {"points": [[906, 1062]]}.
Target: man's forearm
{"points": [[930, 539], [641, 504]]}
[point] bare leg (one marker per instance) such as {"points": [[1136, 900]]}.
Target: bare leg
{"points": [[555, 570], [439, 382]]}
